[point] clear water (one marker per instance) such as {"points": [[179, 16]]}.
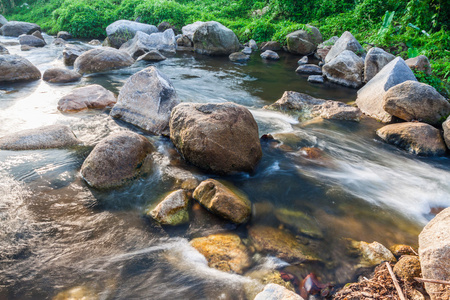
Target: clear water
{"points": [[57, 233]]}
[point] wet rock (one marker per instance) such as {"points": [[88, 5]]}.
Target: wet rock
{"points": [[3, 21], [300, 221], [72, 52], [375, 60], [311, 107], [269, 54], [303, 60], [309, 69], [38, 34], [102, 59], [64, 35], [371, 254], [399, 250], [219, 138], [15, 28], [316, 79], [270, 276], [223, 251], [252, 44], [26, 48], [221, 200], [408, 267], [419, 63], [172, 210], [146, 100], [3, 50], [416, 138], [122, 31], [77, 293], [412, 100], [239, 56], [212, 38], [60, 42], [93, 96], [277, 292], [16, 68], [271, 45], [95, 43], [60, 75], [434, 254], [190, 29], [345, 69], [304, 42], [142, 43], [346, 42], [370, 97], [32, 41], [247, 50], [117, 159], [153, 55], [53, 136]]}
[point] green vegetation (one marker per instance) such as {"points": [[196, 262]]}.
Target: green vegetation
{"points": [[406, 28]]}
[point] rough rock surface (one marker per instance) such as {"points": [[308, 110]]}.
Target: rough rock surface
{"points": [[370, 97], [309, 69], [346, 42], [300, 221], [371, 254], [219, 138], [408, 267], [277, 292], [71, 53], [121, 31], [269, 54], [239, 56], [223, 201], [32, 41], [102, 59], [64, 35], [142, 43], [413, 100], [117, 159], [53, 136], [60, 75], [212, 38], [419, 63], [345, 69], [93, 96], [446, 128], [304, 42], [375, 60], [16, 68], [417, 138], [146, 100], [153, 55], [325, 47], [172, 210], [16, 28]]}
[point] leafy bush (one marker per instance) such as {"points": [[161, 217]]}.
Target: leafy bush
{"points": [[155, 12]]}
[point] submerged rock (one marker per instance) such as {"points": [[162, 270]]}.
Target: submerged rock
{"points": [[375, 60], [304, 42], [346, 42], [92, 96], [47, 137], [153, 55], [269, 54], [345, 69], [3, 50], [277, 292], [212, 38], [102, 59], [16, 28], [172, 210], [142, 43], [408, 267], [60, 75], [299, 220], [419, 63], [77, 293], [16, 68], [309, 69], [121, 31], [117, 159], [371, 254], [239, 56]]}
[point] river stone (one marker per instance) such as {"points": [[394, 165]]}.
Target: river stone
{"points": [[92, 96], [271, 45], [172, 210], [190, 29], [299, 220], [146, 100], [345, 69], [184, 41], [53, 136], [71, 53], [407, 267], [316, 79], [416, 138], [95, 43], [64, 35], [371, 254], [311, 107], [419, 63], [309, 69], [446, 128], [375, 60], [247, 50], [38, 34], [370, 97], [102, 59], [400, 249], [153, 55], [239, 56], [434, 254], [269, 54], [346, 42], [277, 292], [325, 47], [32, 41], [117, 159], [142, 43], [15, 28], [60, 75], [303, 60], [212, 38], [3, 21], [304, 42], [16, 68], [220, 138], [121, 31], [223, 251], [26, 48], [3, 50], [252, 44], [60, 42], [222, 201], [412, 100]]}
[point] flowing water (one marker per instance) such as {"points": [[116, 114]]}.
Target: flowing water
{"points": [[57, 233]]}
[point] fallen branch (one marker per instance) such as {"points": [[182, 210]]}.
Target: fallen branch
{"points": [[394, 279], [432, 281], [413, 250]]}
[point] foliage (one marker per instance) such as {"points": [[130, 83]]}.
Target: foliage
{"points": [[434, 81]]}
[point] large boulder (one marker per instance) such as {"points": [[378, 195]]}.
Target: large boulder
{"points": [[16, 68], [219, 138], [274, 291], [15, 28], [102, 59], [310, 107], [121, 31], [117, 159], [190, 29], [53, 136], [142, 43], [71, 53], [3, 21], [417, 138], [434, 254], [346, 42], [345, 69], [370, 97], [172, 210], [416, 101], [304, 42], [60, 75], [375, 60], [419, 63], [146, 100], [93, 96], [212, 38], [223, 201]]}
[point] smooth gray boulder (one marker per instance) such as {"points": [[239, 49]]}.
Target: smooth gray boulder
{"points": [[239, 56], [153, 55], [102, 59], [190, 29], [274, 291], [345, 69], [32, 41], [64, 35], [15, 68], [3, 21], [16, 28], [92, 96], [142, 43], [121, 31], [346, 42], [309, 69], [71, 53], [53, 136], [270, 55], [146, 100], [212, 38], [60, 75], [375, 60], [419, 63], [304, 42], [370, 97], [416, 101]]}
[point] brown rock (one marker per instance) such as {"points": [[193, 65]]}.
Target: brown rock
{"points": [[38, 34], [102, 59], [304, 42], [271, 45], [60, 75], [172, 210], [72, 52], [372, 254], [93, 96], [419, 63], [16, 68], [277, 292], [408, 267], [399, 250]]}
